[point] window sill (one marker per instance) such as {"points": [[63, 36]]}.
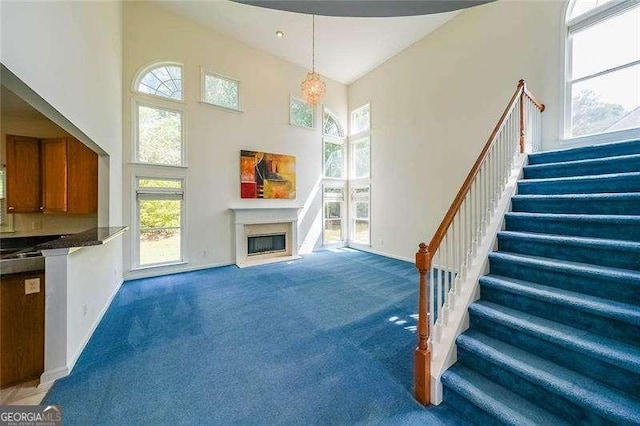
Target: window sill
{"points": [[360, 135], [595, 139], [222, 108], [151, 97], [359, 244], [163, 166], [158, 265]]}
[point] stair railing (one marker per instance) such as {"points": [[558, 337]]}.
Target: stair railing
{"points": [[443, 263]]}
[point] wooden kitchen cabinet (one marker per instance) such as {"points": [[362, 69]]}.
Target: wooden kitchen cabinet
{"points": [[63, 171], [23, 174], [21, 329], [82, 178], [54, 175]]}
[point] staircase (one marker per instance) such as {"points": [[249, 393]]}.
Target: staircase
{"points": [[555, 336]]}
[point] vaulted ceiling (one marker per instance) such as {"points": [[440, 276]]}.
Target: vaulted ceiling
{"points": [[346, 48]]}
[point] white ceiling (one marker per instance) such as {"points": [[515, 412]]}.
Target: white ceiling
{"points": [[346, 48]]}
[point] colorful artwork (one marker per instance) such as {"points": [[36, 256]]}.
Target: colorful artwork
{"points": [[265, 175]]}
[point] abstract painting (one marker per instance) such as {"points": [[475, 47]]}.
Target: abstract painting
{"points": [[264, 175]]}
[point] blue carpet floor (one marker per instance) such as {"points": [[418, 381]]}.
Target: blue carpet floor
{"points": [[555, 336], [327, 339]]}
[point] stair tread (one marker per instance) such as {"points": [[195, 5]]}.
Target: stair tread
{"points": [[622, 219], [595, 197], [587, 152], [495, 399], [582, 162], [580, 301], [574, 240], [631, 277], [611, 351], [604, 176], [581, 390]]}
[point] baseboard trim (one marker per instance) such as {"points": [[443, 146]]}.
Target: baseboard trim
{"points": [[380, 253], [151, 272], [48, 377]]}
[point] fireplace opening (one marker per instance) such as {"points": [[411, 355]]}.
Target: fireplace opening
{"points": [[264, 244]]}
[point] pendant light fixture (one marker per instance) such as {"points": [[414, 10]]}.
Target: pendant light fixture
{"points": [[312, 87]]}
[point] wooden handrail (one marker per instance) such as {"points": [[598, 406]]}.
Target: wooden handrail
{"points": [[533, 98], [466, 185], [424, 256]]}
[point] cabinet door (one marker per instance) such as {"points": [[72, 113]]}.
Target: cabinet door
{"points": [[23, 174], [82, 177], [21, 329], [54, 175]]}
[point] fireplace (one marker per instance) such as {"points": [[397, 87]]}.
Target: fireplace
{"points": [[265, 235], [265, 244]]}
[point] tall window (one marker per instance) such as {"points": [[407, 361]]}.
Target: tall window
{"points": [[159, 125], [603, 67], [220, 91], [360, 204], [157, 147], [333, 147], [333, 211], [360, 176], [361, 119], [163, 80], [331, 125], [360, 157], [160, 221], [159, 136]]}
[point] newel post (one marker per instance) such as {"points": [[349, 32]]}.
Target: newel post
{"points": [[422, 356], [521, 85]]}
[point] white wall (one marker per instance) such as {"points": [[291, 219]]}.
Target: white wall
{"points": [[215, 137], [70, 53], [434, 105], [86, 301]]}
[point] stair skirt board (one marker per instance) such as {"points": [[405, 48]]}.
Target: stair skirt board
{"points": [[555, 335]]}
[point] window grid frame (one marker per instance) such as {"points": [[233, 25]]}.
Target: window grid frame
{"points": [[327, 112], [204, 73], [353, 218], [352, 156], [138, 229], [151, 96], [572, 26], [343, 207], [313, 115], [353, 133], [135, 131], [345, 163]]}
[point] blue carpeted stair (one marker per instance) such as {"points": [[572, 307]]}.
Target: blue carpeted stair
{"points": [[555, 336]]}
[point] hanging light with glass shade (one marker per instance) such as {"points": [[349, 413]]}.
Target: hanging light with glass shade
{"points": [[312, 87]]}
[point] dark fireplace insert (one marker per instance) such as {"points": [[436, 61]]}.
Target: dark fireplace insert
{"points": [[265, 244]]}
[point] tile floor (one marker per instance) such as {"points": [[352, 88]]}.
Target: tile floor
{"points": [[28, 393]]}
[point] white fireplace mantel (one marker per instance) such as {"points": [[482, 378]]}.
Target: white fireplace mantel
{"points": [[246, 217]]}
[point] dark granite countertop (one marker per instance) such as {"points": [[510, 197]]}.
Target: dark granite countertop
{"points": [[91, 237]]}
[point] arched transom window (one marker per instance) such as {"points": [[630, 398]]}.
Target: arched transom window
{"points": [[603, 67], [331, 126], [164, 80]]}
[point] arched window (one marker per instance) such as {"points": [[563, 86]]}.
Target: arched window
{"points": [[603, 67], [164, 80], [330, 125]]}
